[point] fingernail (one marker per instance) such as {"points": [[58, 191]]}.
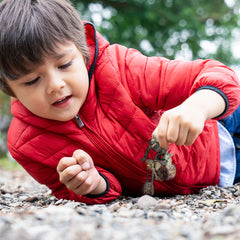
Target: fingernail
{"points": [[86, 165]]}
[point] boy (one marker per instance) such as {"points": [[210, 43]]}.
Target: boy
{"points": [[84, 110]]}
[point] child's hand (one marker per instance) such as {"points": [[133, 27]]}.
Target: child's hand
{"points": [[79, 174], [179, 125], [183, 124]]}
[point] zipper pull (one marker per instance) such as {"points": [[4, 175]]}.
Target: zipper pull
{"points": [[79, 121]]}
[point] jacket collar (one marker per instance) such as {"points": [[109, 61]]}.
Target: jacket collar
{"points": [[91, 40]]}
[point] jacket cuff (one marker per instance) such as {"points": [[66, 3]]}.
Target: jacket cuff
{"points": [[100, 194]]}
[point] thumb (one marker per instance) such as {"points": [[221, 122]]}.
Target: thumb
{"points": [[155, 134], [83, 159]]}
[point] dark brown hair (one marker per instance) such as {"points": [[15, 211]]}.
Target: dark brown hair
{"points": [[30, 30]]}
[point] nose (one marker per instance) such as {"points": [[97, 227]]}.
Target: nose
{"points": [[55, 83]]}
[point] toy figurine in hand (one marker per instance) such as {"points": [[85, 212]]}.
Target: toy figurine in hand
{"points": [[161, 166]]}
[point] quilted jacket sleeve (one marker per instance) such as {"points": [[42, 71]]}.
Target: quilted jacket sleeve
{"points": [[48, 176], [159, 83]]}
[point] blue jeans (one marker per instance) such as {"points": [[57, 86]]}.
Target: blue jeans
{"points": [[232, 124]]}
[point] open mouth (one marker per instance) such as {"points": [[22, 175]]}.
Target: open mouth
{"points": [[62, 100]]}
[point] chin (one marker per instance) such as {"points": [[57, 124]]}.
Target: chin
{"points": [[68, 117], [65, 119]]}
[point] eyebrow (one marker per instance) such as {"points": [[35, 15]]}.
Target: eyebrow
{"points": [[58, 56]]}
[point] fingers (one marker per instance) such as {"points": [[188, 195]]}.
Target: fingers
{"points": [[177, 132], [67, 169], [81, 184], [66, 162], [176, 129], [160, 133], [83, 159], [78, 173], [192, 136], [86, 187]]}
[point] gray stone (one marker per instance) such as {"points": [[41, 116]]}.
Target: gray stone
{"points": [[146, 201]]}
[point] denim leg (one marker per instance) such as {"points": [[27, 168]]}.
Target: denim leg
{"points": [[237, 146], [232, 122]]}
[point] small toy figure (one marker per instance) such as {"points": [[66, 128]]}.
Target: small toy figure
{"points": [[161, 166]]}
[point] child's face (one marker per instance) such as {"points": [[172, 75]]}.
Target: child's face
{"points": [[56, 89]]}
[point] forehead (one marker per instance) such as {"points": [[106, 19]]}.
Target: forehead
{"points": [[63, 50], [59, 52]]}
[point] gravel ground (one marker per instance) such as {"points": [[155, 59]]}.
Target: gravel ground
{"points": [[30, 212]]}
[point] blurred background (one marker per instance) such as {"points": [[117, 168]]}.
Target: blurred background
{"points": [[176, 29]]}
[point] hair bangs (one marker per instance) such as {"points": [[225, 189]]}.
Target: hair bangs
{"points": [[29, 50]]}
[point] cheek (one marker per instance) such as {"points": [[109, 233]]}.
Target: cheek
{"points": [[33, 101], [85, 88], [81, 85]]}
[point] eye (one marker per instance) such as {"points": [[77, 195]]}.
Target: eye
{"points": [[65, 65], [32, 82]]}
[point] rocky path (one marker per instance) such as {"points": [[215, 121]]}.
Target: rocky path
{"points": [[30, 212]]}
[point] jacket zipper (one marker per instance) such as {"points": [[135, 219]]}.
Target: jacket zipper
{"points": [[101, 144], [79, 121]]}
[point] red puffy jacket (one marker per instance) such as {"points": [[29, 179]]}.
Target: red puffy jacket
{"points": [[127, 90]]}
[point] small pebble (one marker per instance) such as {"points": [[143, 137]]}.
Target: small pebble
{"points": [[146, 201]]}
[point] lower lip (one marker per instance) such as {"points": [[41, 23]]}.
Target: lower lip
{"points": [[64, 103]]}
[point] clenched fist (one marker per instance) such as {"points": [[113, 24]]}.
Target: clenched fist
{"points": [[79, 174]]}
